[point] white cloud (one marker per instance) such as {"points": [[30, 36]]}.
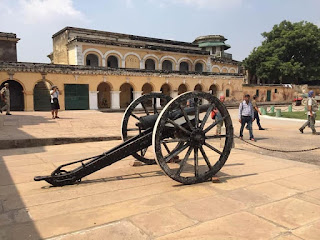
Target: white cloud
{"points": [[129, 4], [201, 4], [35, 11], [34, 21]]}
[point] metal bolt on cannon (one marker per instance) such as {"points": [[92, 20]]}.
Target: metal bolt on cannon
{"points": [[175, 128]]}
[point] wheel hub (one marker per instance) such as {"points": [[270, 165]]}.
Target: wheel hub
{"points": [[197, 138]]}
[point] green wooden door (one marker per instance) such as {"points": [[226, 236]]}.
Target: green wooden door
{"points": [[76, 96], [268, 95]]}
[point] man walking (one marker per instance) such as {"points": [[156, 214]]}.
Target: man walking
{"points": [[256, 111], [312, 113], [5, 96], [246, 116]]}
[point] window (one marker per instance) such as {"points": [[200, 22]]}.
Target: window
{"points": [[257, 92], [276, 90], [227, 93], [184, 67], [112, 62], [150, 64], [167, 65], [92, 60], [199, 67]]}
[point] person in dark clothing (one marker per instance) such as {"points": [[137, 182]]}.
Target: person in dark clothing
{"points": [[256, 111]]}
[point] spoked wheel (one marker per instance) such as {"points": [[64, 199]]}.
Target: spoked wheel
{"points": [[146, 105], [190, 133]]}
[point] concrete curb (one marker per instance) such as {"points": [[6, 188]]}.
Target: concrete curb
{"points": [[26, 143]]}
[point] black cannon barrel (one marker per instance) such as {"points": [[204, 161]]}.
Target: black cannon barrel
{"points": [[149, 120]]}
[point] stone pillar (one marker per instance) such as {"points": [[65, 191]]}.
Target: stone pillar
{"points": [[103, 62], [142, 66], [136, 95], [174, 93], [93, 100], [115, 99], [79, 56], [158, 100], [209, 65], [28, 101]]}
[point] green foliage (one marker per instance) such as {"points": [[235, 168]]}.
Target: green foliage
{"points": [[298, 115], [289, 53]]}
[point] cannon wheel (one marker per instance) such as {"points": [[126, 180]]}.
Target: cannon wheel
{"points": [[196, 135], [129, 113]]}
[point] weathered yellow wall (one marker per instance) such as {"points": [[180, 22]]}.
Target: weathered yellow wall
{"points": [[60, 50], [72, 56], [283, 93], [132, 61], [29, 79]]}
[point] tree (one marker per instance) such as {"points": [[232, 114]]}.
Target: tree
{"points": [[290, 53]]}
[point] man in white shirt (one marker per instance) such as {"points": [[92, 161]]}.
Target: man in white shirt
{"points": [[312, 113], [246, 116]]}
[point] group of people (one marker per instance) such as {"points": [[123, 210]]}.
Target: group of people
{"points": [[248, 112], [5, 99]]}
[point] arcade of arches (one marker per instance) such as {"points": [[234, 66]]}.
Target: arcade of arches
{"points": [[30, 90]]}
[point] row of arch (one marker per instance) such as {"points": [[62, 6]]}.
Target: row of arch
{"points": [[41, 95], [114, 59], [127, 92]]}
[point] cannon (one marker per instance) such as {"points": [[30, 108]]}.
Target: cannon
{"points": [[175, 128]]}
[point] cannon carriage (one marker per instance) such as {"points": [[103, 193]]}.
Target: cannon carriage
{"points": [[158, 129]]}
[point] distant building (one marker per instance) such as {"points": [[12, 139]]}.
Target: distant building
{"points": [[8, 48], [97, 69]]}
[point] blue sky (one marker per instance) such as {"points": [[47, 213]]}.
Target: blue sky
{"points": [[240, 21]]}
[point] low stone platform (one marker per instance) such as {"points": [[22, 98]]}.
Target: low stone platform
{"points": [[257, 197]]}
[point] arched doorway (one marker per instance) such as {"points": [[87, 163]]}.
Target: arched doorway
{"points": [[41, 96], [104, 97], [182, 89], [16, 95], [199, 68], [166, 90], [198, 88], [184, 67], [213, 89], [126, 95], [147, 88], [112, 62], [92, 60], [150, 64], [167, 65]]}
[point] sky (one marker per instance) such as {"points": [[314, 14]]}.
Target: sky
{"points": [[240, 21]]}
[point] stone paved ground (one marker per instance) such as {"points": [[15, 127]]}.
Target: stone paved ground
{"points": [[261, 195], [280, 134], [258, 197]]}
